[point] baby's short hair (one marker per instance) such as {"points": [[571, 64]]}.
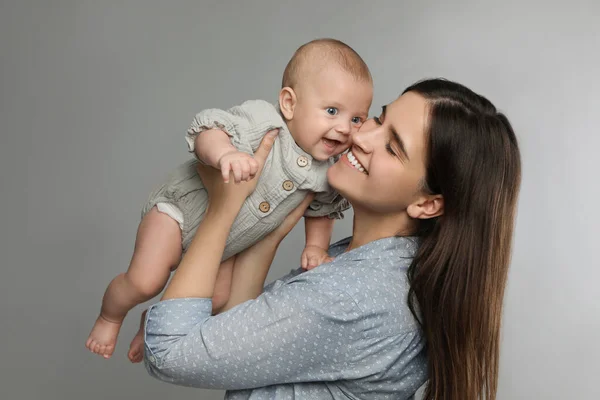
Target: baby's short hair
{"points": [[320, 53]]}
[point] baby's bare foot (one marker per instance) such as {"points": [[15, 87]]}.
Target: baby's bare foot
{"points": [[103, 338], [136, 348]]}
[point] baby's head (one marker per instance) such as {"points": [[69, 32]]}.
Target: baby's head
{"points": [[326, 94]]}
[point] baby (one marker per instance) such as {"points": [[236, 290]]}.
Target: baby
{"points": [[326, 94]]}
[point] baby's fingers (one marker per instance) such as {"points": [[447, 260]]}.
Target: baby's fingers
{"points": [[253, 165], [245, 168], [225, 170], [313, 261], [304, 261], [237, 171]]}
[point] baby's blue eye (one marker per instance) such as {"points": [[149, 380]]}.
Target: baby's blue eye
{"points": [[332, 111], [356, 120]]}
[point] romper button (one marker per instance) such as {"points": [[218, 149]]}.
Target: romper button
{"points": [[151, 359], [315, 205], [288, 185], [264, 207], [302, 161]]}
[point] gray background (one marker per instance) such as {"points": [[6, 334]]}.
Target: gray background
{"points": [[95, 99]]}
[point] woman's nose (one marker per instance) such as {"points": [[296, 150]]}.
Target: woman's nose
{"points": [[369, 124], [365, 136]]}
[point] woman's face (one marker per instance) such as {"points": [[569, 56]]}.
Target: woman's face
{"points": [[384, 168]]}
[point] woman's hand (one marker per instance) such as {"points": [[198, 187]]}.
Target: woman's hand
{"points": [[197, 271], [230, 196]]}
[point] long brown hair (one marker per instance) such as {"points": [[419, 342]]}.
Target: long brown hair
{"points": [[459, 273]]}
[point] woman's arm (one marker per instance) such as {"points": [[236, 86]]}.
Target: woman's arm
{"points": [[252, 265], [303, 330], [197, 272], [299, 331]]}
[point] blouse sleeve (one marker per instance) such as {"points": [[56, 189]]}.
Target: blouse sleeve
{"points": [[293, 332]]}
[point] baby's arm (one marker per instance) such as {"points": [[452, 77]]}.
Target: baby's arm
{"points": [[214, 147], [227, 139], [211, 145], [318, 236]]}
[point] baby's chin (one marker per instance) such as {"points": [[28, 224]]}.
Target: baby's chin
{"points": [[322, 157], [325, 155]]}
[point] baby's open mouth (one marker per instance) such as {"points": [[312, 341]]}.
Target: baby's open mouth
{"points": [[331, 143]]}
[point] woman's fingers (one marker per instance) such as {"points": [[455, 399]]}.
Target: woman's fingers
{"points": [[241, 186], [261, 154]]}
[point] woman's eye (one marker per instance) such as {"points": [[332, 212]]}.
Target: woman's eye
{"points": [[332, 111], [389, 149], [356, 120], [377, 120]]}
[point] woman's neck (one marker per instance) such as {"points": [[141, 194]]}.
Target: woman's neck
{"points": [[368, 227]]}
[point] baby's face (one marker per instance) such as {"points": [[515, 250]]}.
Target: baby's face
{"points": [[330, 107]]}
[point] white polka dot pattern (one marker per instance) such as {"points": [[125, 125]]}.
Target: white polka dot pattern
{"points": [[342, 330]]}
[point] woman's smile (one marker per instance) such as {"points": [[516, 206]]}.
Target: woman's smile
{"points": [[350, 159]]}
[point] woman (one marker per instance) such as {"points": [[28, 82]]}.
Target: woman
{"points": [[415, 293]]}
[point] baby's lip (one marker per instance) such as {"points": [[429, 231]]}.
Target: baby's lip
{"points": [[338, 140], [331, 143]]}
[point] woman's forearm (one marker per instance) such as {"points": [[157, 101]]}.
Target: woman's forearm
{"points": [[197, 271], [250, 271], [252, 265]]}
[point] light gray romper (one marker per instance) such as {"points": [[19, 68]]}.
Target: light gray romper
{"points": [[288, 175]]}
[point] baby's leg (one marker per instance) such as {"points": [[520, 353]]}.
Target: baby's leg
{"points": [[220, 297], [157, 251]]}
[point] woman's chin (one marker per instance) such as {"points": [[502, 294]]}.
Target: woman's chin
{"points": [[333, 175], [337, 179]]}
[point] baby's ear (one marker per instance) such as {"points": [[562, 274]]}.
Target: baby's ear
{"points": [[287, 102]]}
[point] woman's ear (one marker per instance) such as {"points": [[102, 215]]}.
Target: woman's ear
{"points": [[426, 206], [287, 102]]}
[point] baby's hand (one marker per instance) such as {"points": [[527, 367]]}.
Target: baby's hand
{"points": [[313, 256], [243, 166]]}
